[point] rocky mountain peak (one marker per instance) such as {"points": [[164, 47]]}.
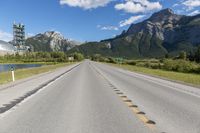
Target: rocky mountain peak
{"points": [[163, 33], [165, 12], [160, 21], [50, 41], [165, 15], [54, 35]]}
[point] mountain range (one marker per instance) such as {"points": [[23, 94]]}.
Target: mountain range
{"points": [[50, 41], [163, 33]]}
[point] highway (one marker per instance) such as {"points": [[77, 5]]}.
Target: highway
{"points": [[97, 98]]}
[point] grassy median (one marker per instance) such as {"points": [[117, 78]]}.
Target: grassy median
{"points": [[193, 79], [6, 77]]}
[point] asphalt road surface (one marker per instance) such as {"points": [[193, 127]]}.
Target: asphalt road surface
{"points": [[97, 98]]}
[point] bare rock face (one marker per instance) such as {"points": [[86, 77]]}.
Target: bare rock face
{"points": [[163, 33], [157, 24], [57, 41], [50, 41]]}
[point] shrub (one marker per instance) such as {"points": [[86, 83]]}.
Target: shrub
{"points": [[180, 66], [78, 56], [131, 63], [57, 55], [111, 60], [182, 55], [197, 55], [97, 57], [153, 65]]}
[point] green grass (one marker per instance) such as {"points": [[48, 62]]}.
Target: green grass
{"points": [[190, 78], [5, 77]]}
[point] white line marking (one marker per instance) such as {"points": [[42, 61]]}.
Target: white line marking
{"points": [[2, 115]]}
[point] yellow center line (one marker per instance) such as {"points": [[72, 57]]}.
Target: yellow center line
{"points": [[142, 117]]}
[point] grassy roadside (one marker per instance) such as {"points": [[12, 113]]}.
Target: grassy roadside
{"points": [[5, 77], [193, 79]]}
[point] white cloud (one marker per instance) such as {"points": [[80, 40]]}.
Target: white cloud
{"points": [[194, 13], [5, 36], [131, 20], [138, 6], [175, 5], [107, 27], [85, 4], [192, 3]]}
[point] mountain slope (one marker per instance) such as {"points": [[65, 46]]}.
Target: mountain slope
{"points": [[50, 41], [164, 32]]}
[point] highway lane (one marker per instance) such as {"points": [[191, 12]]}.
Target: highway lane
{"points": [[174, 107], [81, 101]]}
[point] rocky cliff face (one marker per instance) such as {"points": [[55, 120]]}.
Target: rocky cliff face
{"points": [[163, 33], [157, 24], [50, 41]]}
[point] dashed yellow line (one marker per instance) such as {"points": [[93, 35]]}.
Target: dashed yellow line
{"points": [[134, 108], [138, 113]]}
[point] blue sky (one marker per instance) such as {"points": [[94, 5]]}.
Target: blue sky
{"points": [[84, 20]]}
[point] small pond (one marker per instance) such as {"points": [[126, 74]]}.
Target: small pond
{"points": [[7, 67]]}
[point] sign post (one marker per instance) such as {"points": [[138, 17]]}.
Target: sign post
{"points": [[13, 73]]}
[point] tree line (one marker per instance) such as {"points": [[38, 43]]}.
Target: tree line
{"points": [[41, 57], [184, 62]]}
